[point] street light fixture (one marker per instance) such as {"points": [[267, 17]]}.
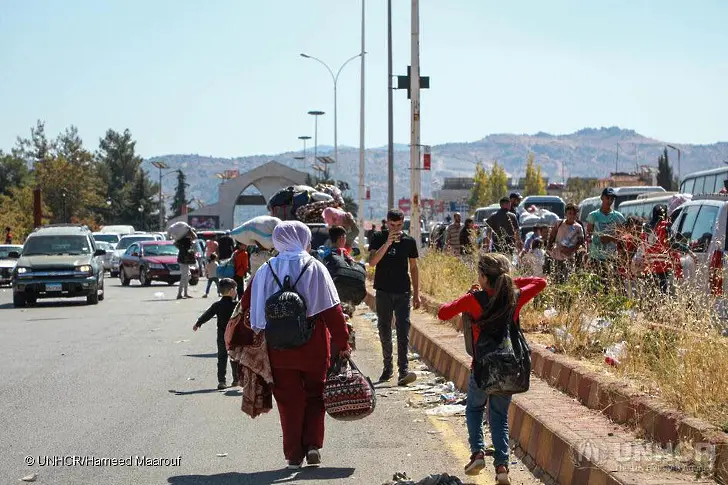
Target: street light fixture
{"points": [[161, 166], [335, 79], [316, 115], [678, 160], [305, 138], [64, 193]]}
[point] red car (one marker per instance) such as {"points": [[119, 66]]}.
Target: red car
{"points": [[149, 261]]}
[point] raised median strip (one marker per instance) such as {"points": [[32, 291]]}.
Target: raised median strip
{"points": [[580, 443]]}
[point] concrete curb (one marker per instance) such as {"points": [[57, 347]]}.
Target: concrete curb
{"points": [[442, 349]]}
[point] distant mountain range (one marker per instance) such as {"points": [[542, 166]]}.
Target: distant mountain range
{"points": [[590, 152]]}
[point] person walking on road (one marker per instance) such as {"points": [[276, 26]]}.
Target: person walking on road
{"points": [[185, 258], [222, 309], [452, 235], [496, 299], [211, 273], [241, 263], [299, 373], [8, 235], [394, 254]]}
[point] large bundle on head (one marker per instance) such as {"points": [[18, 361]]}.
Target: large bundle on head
{"points": [[286, 202], [333, 191], [540, 216], [676, 201], [178, 230], [256, 230], [334, 217], [313, 213]]}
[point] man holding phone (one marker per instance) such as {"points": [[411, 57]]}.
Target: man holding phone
{"points": [[394, 254]]}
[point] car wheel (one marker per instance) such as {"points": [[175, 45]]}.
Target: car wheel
{"points": [[124, 280], [103, 293], [92, 298], [144, 277], [114, 274], [194, 281], [19, 300], [170, 283]]}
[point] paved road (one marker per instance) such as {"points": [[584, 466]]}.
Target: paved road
{"points": [[129, 378]]}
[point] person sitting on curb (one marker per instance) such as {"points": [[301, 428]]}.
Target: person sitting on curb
{"points": [[497, 298]]}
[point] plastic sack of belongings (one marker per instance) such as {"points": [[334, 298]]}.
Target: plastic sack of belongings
{"points": [[286, 202], [676, 201], [534, 216], [178, 230], [257, 230]]}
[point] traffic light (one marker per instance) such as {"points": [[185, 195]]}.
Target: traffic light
{"points": [[403, 82]]}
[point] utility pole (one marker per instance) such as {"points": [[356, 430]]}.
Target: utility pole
{"points": [[361, 124], [415, 125], [161, 166], [390, 115]]}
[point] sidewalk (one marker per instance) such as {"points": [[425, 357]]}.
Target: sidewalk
{"points": [[569, 442]]}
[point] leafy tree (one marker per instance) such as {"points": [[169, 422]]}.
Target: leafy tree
{"points": [[119, 166], [36, 148], [534, 184], [16, 211], [578, 188], [13, 172], [180, 195], [144, 193], [498, 182], [665, 177], [479, 194]]}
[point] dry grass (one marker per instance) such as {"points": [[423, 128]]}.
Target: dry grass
{"points": [[673, 347]]}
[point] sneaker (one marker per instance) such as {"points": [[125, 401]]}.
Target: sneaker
{"points": [[386, 375], [313, 457], [221, 385], [179, 297], [294, 465], [501, 475], [188, 296], [204, 296], [235, 384], [476, 464], [407, 378]]}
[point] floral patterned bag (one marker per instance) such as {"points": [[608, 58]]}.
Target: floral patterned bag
{"points": [[348, 394]]}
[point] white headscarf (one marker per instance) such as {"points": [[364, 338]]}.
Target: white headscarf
{"points": [[292, 239]]}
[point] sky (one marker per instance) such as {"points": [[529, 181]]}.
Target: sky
{"points": [[224, 77]]}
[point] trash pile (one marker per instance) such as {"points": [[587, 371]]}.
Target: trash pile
{"points": [[401, 478], [305, 203]]}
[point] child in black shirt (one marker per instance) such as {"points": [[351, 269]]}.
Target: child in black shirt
{"points": [[222, 309]]}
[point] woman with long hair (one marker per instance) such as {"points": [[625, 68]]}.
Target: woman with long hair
{"points": [[492, 304], [299, 373]]}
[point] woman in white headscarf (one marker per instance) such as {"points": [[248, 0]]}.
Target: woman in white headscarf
{"points": [[299, 374]]}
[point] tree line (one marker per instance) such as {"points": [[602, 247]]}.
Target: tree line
{"points": [[490, 186], [107, 186]]}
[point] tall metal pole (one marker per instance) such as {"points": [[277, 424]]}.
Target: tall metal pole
{"points": [[336, 128], [361, 125], [390, 113], [161, 203], [415, 121]]}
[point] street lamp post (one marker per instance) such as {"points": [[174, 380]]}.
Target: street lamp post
{"points": [[678, 160], [141, 216], [315, 114], [64, 193], [335, 79], [161, 166], [305, 138]]}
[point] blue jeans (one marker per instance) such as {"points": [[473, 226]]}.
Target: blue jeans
{"points": [[399, 305], [497, 421]]}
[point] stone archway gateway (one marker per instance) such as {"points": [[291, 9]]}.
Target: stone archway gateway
{"points": [[268, 179]]}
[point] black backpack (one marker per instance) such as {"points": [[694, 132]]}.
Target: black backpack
{"points": [[350, 278], [287, 326]]}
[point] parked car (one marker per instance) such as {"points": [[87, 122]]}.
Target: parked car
{"points": [[123, 245], [109, 237], [424, 233], [624, 194], [482, 214], [122, 230], [7, 263], [106, 258], [149, 261], [59, 261]]}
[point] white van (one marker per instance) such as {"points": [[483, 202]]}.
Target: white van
{"points": [[123, 230], [643, 205], [701, 225]]}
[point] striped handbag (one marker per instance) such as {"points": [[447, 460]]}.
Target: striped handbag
{"points": [[348, 394]]}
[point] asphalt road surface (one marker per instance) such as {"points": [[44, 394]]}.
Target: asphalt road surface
{"points": [[128, 378]]}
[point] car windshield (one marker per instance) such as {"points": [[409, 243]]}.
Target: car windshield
{"points": [[109, 238], [6, 250], [56, 245], [159, 250], [128, 241]]}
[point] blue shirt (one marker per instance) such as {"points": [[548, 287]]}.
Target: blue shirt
{"points": [[604, 224]]}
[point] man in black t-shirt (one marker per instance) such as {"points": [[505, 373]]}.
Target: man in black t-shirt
{"points": [[394, 254]]}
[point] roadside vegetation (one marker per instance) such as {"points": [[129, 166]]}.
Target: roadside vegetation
{"points": [[666, 346]]}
